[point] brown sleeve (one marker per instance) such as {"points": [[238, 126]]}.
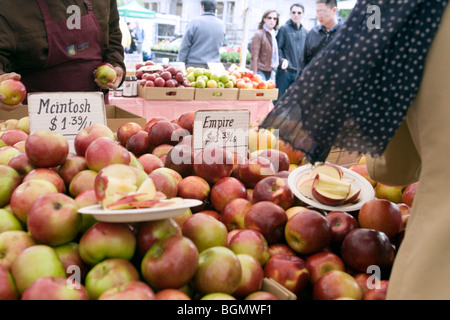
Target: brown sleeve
{"points": [[256, 47]]}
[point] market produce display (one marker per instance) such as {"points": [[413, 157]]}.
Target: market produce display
{"points": [[248, 225]]}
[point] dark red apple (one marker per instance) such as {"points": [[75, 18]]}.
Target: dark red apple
{"points": [[274, 189], [213, 163], [382, 215], [341, 223], [268, 218], [226, 189]]}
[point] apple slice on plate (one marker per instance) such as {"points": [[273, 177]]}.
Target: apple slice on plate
{"points": [[353, 196], [329, 190], [328, 169], [305, 188]]}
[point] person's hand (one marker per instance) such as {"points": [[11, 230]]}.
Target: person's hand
{"points": [[4, 77], [284, 64], [115, 84]]}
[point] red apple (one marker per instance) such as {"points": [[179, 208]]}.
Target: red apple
{"points": [[233, 213], [162, 150], [9, 181], [261, 295], [161, 133], [12, 136], [382, 215], [281, 249], [54, 288], [103, 152], [362, 248], [82, 181], [409, 193], [252, 276], [194, 187], [213, 163], [150, 162], [8, 290], [225, 190], [171, 294], [138, 143], [219, 270], [289, 271], [336, 284], [341, 223], [307, 232], [12, 243], [205, 231], [363, 280], [49, 175], [71, 167], [377, 293], [250, 242], [13, 90], [126, 130], [279, 159], [268, 218], [186, 120], [166, 181], [46, 148], [274, 189], [53, 219], [321, 262], [181, 159], [87, 135], [149, 232], [252, 171], [170, 263], [152, 121], [21, 163], [361, 169], [135, 290], [69, 255]]}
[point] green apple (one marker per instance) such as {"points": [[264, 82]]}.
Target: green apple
{"points": [[191, 77], [13, 90], [205, 231], [36, 262], [211, 84], [207, 72], [106, 73], [9, 181], [7, 153], [198, 72], [12, 243], [224, 78], [9, 221]]}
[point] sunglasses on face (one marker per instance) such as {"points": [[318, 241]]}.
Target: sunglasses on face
{"points": [[297, 12], [272, 18]]}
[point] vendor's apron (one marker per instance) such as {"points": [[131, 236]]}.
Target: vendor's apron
{"points": [[73, 55]]}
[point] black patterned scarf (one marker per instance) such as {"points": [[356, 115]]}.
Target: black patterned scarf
{"points": [[355, 94]]}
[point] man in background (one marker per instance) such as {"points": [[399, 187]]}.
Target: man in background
{"points": [[140, 36], [203, 38]]}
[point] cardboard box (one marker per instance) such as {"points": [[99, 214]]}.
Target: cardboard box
{"points": [[216, 94], [154, 93], [258, 94], [115, 116]]}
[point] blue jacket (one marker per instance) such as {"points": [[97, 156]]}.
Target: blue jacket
{"points": [[291, 43], [203, 38]]}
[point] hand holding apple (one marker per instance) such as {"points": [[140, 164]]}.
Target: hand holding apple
{"points": [[12, 91], [107, 76]]}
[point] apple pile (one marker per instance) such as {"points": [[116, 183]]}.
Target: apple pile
{"points": [[152, 74], [247, 79], [248, 227], [205, 78]]}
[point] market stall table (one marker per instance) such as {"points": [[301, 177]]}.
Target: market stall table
{"points": [[172, 109]]}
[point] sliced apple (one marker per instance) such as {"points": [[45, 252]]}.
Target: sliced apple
{"points": [[305, 188], [329, 190], [128, 201], [353, 196], [329, 170], [148, 187]]}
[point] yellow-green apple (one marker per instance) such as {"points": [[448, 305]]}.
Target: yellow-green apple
{"points": [[53, 219], [49, 175], [71, 167], [250, 242], [9, 181], [382, 215], [153, 120], [183, 217], [181, 159], [307, 232], [87, 135], [105, 73], [46, 148], [12, 136], [13, 90], [20, 145], [36, 262], [268, 218], [171, 294], [82, 181], [21, 163], [54, 288], [69, 255], [170, 263], [363, 247], [225, 190], [361, 169], [320, 263], [261, 295], [126, 130], [108, 274], [409, 193], [219, 270], [290, 212], [138, 143], [252, 276], [103, 152], [391, 193], [150, 162], [134, 162], [341, 223], [161, 133], [9, 124], [12, 243], [213, 163], [8, 221], [7, 153], [149, 232], [85, 199], [233, 213], [166, 181], [274, 189], [24, 195], [162, 150], [336, 284], [205, 231], [105, 241], [8, 290], [254, 170], [218, 296], [279, 159], [195, 187], [135, 290], [186, 121], [261, 139], [211, 84], [329, 190], [289, 271], [377, 293], [281, 248], [24, 124]]}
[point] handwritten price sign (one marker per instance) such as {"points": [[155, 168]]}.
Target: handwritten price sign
{"points": [[65, 112]]}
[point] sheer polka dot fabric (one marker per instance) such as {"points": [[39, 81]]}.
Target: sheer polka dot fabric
{"points": [[355, 93]]}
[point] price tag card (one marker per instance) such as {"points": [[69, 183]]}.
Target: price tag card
{"points": [[223, 128], [65, 112], [216, 67]]}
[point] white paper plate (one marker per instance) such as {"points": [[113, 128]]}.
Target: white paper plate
{"points": [[138, 215], [367, 190]]}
